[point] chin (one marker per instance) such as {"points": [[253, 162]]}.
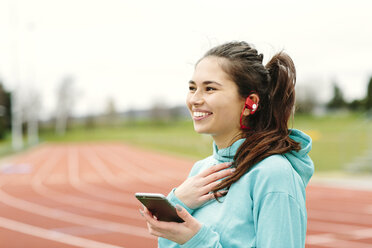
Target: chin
{"points": [[202, 130]]}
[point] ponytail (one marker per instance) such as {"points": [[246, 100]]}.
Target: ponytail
{"points": [[281, 93], [274, 83]]}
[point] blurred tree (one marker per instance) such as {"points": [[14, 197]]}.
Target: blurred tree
{"points": [[306, 98], [159, 110], [178, 112], [357, 105], [337, 101], [131, 114], [90, 122], [65, 101], [368, 101], [5, 111], [111, 115], [32, 109]]}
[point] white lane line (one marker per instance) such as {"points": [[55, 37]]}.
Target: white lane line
{"points": [[52, 235], [362, 233], [323, 238], [143, 163], [340, 234], [98, 192], [365, 233], [330, 240], [76, 182], [102, 169], [34, 158], [327, 227], [71, 217], [143, 176], [98, 206], [368, 209], [181, 165], [330, 216], [67, 216]]}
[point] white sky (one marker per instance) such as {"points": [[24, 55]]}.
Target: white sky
{"points": [[141, 52]]}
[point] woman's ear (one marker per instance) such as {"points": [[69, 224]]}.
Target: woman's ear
{"points": [[254, 100], [246, 112]]}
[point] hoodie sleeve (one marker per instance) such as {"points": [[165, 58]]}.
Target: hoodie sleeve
{"points": [[172, 198], [279, 222], [205, 238]]}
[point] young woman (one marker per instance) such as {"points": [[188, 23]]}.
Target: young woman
{"points": [[251, 191]]}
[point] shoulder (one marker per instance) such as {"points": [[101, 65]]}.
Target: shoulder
{"points": [[273, 174], [272, 167]]}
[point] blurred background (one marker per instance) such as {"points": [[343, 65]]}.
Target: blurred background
{"points": [[92, 109], [118, 70]]}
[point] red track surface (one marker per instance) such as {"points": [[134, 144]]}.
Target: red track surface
{"points": [[82, 195]]}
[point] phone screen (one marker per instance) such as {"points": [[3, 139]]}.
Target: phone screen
{"points": [[159, 206]]}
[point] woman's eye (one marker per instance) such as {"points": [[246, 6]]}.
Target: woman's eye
{"points": [[191, 88], [210, 89]]}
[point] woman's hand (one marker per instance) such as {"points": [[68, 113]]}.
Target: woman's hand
{"points": [[195, 191], [176, 232]]}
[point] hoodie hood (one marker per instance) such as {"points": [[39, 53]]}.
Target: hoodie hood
{"points": [[300, 160], [226, 154]]}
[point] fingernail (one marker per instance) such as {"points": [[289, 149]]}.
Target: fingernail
{"points": [[233, 170], [141, 212], [229, 163], [178, 207]]}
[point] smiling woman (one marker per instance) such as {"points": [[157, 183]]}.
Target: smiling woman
{"points": [[211, 91], [259, 202]]}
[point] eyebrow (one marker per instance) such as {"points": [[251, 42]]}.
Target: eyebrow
{"points": [[205, 82]]}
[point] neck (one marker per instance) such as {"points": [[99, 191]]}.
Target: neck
{"points": [[227, 140]]}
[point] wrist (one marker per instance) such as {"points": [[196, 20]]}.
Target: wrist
{"points": [[177, 194], [193, 231]]}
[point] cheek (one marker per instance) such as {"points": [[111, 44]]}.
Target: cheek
{"points": [[229, 112]]}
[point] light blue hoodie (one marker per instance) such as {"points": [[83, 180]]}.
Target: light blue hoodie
{"points": [[265, 208]]}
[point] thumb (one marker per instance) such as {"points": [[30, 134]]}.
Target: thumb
{"points": [[183, 214]]}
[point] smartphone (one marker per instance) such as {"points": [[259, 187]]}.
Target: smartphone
{"points": [[159, 206]]}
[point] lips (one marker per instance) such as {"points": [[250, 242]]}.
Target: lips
{"points": [[200, 114]]}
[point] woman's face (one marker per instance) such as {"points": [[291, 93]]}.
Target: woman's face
{"points": [[213, 101]]}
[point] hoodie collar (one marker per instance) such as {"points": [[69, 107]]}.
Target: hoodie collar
{"points": [[300, 160], [226, 154]]}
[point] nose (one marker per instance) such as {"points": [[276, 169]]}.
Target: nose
{"points": [[195, 98]]}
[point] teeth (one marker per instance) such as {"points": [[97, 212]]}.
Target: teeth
{"points": [[200, 114]]}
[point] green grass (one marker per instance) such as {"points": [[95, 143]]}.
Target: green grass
{"points": [[337, 139], [6, 146], [176, 137]]}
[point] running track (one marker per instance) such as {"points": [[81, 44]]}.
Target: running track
{"points": [[82, 195]]}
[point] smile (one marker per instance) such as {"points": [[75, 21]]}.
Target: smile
{"points": [[197, 116]]}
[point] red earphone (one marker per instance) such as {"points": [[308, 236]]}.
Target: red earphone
{"points": [[249, 104]]}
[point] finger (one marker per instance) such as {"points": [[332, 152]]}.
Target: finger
{"points": [[214, 169], [218, 175], [148, 212], [157, 225], [209, 187], [149, 218], [210, 196], [183, 214], [207, 197], [190, 221], [155, 232]]}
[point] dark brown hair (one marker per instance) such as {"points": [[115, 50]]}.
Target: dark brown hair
{"points": [[274, 84]]}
